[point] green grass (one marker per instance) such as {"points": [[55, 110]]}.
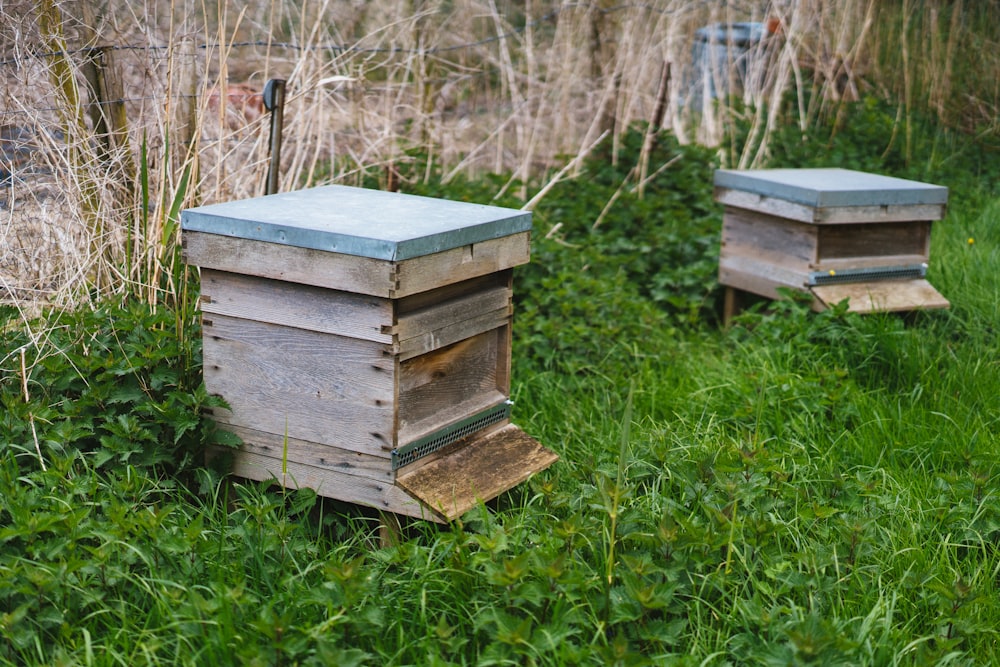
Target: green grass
{"points": [[801, 488]]}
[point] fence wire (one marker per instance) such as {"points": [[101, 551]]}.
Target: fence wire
{"points": [[343, 49]]}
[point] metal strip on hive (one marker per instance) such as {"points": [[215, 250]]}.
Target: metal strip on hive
{"points": [[443, 437], [358, 221], [908, 272], [827, 188]]}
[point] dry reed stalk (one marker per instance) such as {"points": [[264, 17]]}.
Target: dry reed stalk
{"points": [[518, 88], [31, 417], [70, 103], [555, 180]]}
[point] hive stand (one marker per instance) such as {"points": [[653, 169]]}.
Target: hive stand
{"points": [[362, 341], [832, 233]]}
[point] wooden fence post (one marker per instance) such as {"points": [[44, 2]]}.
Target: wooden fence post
{"points": [[184, 91], [107, 106]]}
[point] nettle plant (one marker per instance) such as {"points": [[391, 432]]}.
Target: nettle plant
{"points": [[119, 383], [625, 247]]}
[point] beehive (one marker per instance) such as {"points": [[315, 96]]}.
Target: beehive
{"points": [[834, 233], [362, 341]]}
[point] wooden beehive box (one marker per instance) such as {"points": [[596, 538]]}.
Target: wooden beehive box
{"points": [[362, 341], [835, 233]]}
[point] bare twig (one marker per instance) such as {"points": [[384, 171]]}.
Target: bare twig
{"points": [[572, 164]]}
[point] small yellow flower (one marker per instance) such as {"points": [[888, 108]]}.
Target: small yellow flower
{"points": [[971, 240]]}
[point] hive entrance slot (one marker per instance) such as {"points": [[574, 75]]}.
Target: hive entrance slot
{"points": [[449, 434], [911, 272]]}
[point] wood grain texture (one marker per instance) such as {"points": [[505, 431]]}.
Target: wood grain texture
{"points": [[832, 215], [879, 214], [453, 333], [333, 483], [882, 296], [768, 205], [305, 266], [764, 237], [447, 312], [476, 470], [351, 273], [504, 351], [459, 312], [462, 376], [761, 253], [874, 240], [446, 415], [295, 305], [452, 266], [760, 277], [316, 387], [414, 302], [313, 454]]}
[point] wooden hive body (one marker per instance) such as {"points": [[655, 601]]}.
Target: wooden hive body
{"points": [[834, 233], [355, 374]]}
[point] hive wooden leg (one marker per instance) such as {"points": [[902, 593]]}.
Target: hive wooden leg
{"points": [[390, 529], [730, 305]]}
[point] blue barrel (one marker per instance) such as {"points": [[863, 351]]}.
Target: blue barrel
{"points": [[721, 59]]}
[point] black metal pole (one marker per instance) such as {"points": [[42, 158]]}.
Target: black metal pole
{"points": [[274, 101]]}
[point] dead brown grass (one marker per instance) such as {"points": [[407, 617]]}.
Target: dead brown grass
{"points": [[476, 85]]}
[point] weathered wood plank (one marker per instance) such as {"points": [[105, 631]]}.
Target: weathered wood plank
{"points": [[306, 266], [884, 295], [318, 455], [453, 333], [504, 352], [874, 240], [447, 313], [878, 214], [448, 376], [443, 386], [421, 300], [351, 273], [452, 266], [294, 305], [321, 388], [832, 215], [332, 483], [444, 451], [768, 205], [759, 277], [445, 415], [476, 470], [751, 234]]}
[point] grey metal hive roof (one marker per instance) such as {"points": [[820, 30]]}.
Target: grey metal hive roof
{"points": [[831, 187], [358, 221]]}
